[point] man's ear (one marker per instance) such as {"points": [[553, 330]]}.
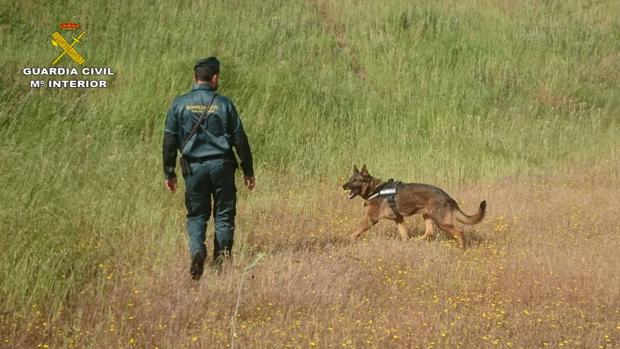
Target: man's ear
{"points": [[355, 170], [215, 79], [365, 171]]}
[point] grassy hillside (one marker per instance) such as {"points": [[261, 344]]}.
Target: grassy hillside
{"points": [[451, 93]]}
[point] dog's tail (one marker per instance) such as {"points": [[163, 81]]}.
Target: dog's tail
{"points": [[473, 219]]}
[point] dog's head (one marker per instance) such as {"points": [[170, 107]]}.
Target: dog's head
{"points": [[360, 183]]}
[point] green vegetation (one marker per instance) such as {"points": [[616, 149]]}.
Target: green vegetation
{"points": [[439, 92]]}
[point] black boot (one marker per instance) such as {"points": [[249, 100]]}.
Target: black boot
{"points": [[197, 267]]}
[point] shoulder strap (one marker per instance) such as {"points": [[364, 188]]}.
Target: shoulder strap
{"points": [[197, 124]]}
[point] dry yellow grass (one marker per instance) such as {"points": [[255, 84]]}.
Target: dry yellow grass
{"points": [[540, 271]]}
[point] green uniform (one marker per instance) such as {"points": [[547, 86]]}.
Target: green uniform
{"points": [[212, 162]]}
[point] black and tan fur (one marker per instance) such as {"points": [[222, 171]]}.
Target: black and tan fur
{"points": [[434, 204]]}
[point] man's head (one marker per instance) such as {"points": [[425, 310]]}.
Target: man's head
{"points": [[207, 70]]}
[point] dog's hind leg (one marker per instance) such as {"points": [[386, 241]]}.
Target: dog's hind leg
{"points": [[402, 230], [457, 233], [428, 232], [366, 223]]}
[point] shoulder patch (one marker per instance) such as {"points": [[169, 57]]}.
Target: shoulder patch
{"points": [[200, 108]]}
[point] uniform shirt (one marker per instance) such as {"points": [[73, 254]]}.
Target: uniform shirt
{"points": [[220, 130]]}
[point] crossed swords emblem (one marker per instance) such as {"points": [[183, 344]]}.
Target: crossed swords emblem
{"points": [[67, 49]]}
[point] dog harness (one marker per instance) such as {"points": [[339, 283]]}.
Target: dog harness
{"points": [[388, 191]]}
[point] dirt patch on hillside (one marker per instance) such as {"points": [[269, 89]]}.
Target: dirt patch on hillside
{"points": [[337, 29]]}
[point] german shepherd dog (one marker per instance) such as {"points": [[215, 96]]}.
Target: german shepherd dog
{"points": [[433, 203]]}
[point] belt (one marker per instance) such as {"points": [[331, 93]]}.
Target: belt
{"points": [[210, 157]]}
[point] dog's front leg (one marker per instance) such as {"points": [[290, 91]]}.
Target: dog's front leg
{"points": [[400, 223], [366, 223]]}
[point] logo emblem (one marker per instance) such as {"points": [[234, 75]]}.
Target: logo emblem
{"points": [[68, 49]]}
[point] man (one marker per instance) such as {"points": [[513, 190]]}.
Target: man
{"points": [[204, 127]]}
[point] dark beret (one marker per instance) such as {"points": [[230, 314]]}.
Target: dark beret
{"points": [[210, 62]]}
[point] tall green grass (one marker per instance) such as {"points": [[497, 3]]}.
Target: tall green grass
{"points": [[447, 93]]}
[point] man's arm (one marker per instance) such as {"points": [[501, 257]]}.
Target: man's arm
{"points": [[169, 149], [244, 152], [241, 143]]}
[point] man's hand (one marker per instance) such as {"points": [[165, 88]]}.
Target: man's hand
{"points": [[171, 184], [250, 182]]}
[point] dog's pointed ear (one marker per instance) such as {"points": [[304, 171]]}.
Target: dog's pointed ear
{"points": [[365, 171], [355, 170]]}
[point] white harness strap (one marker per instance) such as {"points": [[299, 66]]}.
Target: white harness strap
{"points": [[389, 191]]}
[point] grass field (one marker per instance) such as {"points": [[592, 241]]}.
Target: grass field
{"points": [[517, 103]]}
